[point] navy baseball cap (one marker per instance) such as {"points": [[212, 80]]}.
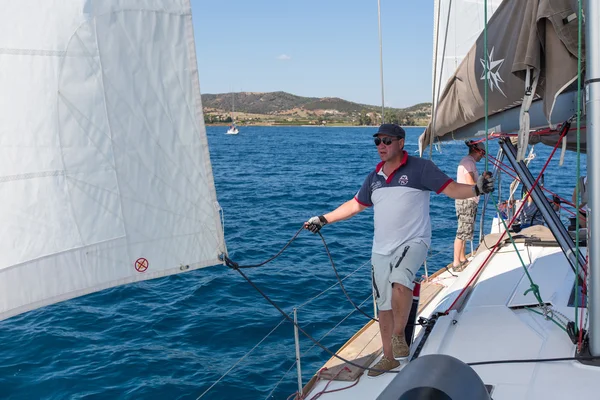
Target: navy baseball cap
{"points": [[391, 130]]}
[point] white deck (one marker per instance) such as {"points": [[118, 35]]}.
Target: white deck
{"points": [[486, 328]]}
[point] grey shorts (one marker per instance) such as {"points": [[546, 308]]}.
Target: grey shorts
{"points": [[466, 212], [399, 267]]}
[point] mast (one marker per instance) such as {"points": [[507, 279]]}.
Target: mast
{"points": [[592, 91], [381, 61]]}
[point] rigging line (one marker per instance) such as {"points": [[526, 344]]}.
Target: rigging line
{"points": [[583, 324], [550, 318], [533, 360], [236, 266], [336, 326], [534, 288], [281, 380], [330, 260], [440, 251], [332, 286], [313, 346], [436, 30], [275, 256], [381, 60], [577, 194], [326, 349], [325, 391], [450, 272], [241, 359], [502, 167], [486, 72], [340, 281], [434, 119]]}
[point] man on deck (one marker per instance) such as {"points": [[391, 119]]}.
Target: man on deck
{"points": [[466, 209], [398, 189]]}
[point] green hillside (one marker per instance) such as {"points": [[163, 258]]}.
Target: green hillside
{"points": [[275, 108]]}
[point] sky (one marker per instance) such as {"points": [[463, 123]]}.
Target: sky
{"points": [[316, 48]]}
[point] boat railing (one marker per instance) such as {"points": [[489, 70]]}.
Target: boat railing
{"points": [[297, 362], [294, 314], [297, 344]]}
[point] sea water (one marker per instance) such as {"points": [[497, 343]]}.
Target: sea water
{"points": [[172, 338]]}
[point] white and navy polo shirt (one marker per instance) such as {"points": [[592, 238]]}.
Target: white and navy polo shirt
{"points": [[401, 202]]}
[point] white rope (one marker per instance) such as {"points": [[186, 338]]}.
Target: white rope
{"points": [[524, 122], [563, 150]]}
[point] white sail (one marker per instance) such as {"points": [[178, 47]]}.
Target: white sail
{"points": [[105, 175], [457, 25]]}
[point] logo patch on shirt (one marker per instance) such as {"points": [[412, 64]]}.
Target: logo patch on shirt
{"points": [[375, 185], [403, 180]]}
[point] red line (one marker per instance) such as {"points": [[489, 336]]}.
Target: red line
{"points": [[449, 181], [495, 247]]}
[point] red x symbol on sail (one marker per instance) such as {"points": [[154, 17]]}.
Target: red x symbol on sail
{"points": [[141, 265]]}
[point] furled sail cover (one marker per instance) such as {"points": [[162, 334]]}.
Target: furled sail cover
{"points": [[522, 34], [105, 175]]}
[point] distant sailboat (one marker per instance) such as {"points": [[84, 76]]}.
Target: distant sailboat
{"points": [[233, 129]]}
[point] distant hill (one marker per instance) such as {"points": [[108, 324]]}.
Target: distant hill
{"points": [[285, 108]]}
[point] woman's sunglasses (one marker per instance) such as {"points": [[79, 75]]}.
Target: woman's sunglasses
{"points": [[385, 140]]}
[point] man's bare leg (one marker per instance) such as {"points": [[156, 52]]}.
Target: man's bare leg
{"points": [[459, 251], [463, 251], [386, 325], [401, 303]]}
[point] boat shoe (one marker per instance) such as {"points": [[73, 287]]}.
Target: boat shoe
{"points": [[399, 346], [460, 267], [383, 365]]}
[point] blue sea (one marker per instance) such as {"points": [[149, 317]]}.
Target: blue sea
{"points": [[172, 338]]}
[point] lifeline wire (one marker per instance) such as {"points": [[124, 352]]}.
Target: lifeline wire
{"points": [[234, 265], [333, 354], [340, 281], [315, 341]]}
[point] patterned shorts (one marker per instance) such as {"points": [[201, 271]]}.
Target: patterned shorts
{"points": [[466, 211]]}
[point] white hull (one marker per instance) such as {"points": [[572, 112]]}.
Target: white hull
{"points": [[492, 325], [233, 131]]}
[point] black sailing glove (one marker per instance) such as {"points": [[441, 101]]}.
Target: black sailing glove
{"points": [[315, 223], [485, 184]]}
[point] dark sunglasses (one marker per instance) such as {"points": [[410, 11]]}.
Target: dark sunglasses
{"points": [[386, 140]]}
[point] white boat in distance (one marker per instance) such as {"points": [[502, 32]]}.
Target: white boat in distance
{"points": [[233, 129]]}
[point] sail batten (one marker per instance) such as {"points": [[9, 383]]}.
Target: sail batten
{"points": [[105, 175]]}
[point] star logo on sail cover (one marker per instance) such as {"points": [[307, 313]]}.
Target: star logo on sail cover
{"points": [[493, 74]]}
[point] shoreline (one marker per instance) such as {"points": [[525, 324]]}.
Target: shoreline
{"points": [[313, 126]]}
